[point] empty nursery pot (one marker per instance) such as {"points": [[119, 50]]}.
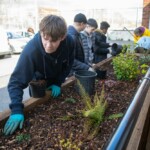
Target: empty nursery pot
{"points": [[87, 80], [37, 88], [101, 74], [114, 46]]}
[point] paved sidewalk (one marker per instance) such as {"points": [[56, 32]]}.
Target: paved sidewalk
{"points": [[5, 100]]}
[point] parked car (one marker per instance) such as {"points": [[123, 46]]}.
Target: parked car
{"points": [[17, 42], [4, 44]]}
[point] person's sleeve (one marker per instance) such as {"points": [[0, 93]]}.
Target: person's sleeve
{"points": [[19, 80], [78, 65], [104, 45], [100, 51], [99, 42], [144, 42], [66, 71]]}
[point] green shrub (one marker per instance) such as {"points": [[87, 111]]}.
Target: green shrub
{"points": [[126, 66]]}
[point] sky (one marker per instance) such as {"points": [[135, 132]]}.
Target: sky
{"points": [[90, 4], [115, 3]]}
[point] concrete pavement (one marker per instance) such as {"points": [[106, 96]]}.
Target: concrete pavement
{"points": [[5, 100]]}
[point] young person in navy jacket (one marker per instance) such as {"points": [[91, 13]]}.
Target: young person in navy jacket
{"points": [[49, 56]]}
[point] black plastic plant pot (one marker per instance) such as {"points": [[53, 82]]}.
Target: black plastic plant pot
{"points": [[114, 46], [37, 88], [87, 80], [101, 74]]}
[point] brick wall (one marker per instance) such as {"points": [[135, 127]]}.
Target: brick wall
{"points": [[146, 13]]}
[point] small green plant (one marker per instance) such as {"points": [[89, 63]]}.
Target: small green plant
{"points": [[68, 144], [67, 117], [23, 137], [144, 68], [126, 66], [97, 110], [125, 48], [144, 59], [93, 111], [115, 116], [70, 100]]}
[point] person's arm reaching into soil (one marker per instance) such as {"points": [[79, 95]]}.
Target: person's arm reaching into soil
{"points": [[13, 122]]}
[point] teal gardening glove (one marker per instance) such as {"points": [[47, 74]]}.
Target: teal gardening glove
{"points": [[56, 90], [12, 123]]}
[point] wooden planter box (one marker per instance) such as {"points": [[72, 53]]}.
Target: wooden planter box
{"points": [[138, 138]]}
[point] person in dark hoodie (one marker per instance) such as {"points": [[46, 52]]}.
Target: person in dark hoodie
{"points": [[101, 45], [74, 30], [49, 56]]}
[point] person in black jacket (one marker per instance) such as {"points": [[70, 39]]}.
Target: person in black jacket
{"points": [[101, 45], [48, 56], [74, 30]]}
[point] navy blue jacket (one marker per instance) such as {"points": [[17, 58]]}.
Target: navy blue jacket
{"points": [[101, 47], [79, 61], [35, 63]]}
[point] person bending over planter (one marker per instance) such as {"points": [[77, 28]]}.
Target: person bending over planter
{"points": [[74, 30], [49, 56], [143, 45], [140, 32]]}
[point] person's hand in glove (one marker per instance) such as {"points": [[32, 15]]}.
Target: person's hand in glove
{"points": [[13, 122], [56, 90]]}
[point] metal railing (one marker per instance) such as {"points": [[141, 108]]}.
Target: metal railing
{"points": [[122, 134]]}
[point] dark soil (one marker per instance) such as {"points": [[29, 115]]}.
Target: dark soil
{"points": [[47, 125]]}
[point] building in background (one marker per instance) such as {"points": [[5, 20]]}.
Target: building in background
{"points": [[146, 14], [21, 14]]}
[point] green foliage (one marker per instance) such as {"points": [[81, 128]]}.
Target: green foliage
{"points": [[125, 48], [70, 100], [144, 59], [96, 113], [23, 137], [126, 66], [65, 118], [114, 116], [93, 111], [85, 97], [144, 68], [68, 144]]}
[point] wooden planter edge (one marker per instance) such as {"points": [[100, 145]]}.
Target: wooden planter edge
{"points": [[139, 135]]}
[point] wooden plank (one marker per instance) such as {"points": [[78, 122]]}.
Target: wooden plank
{"points": [[137, 138], [101, 63]]}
